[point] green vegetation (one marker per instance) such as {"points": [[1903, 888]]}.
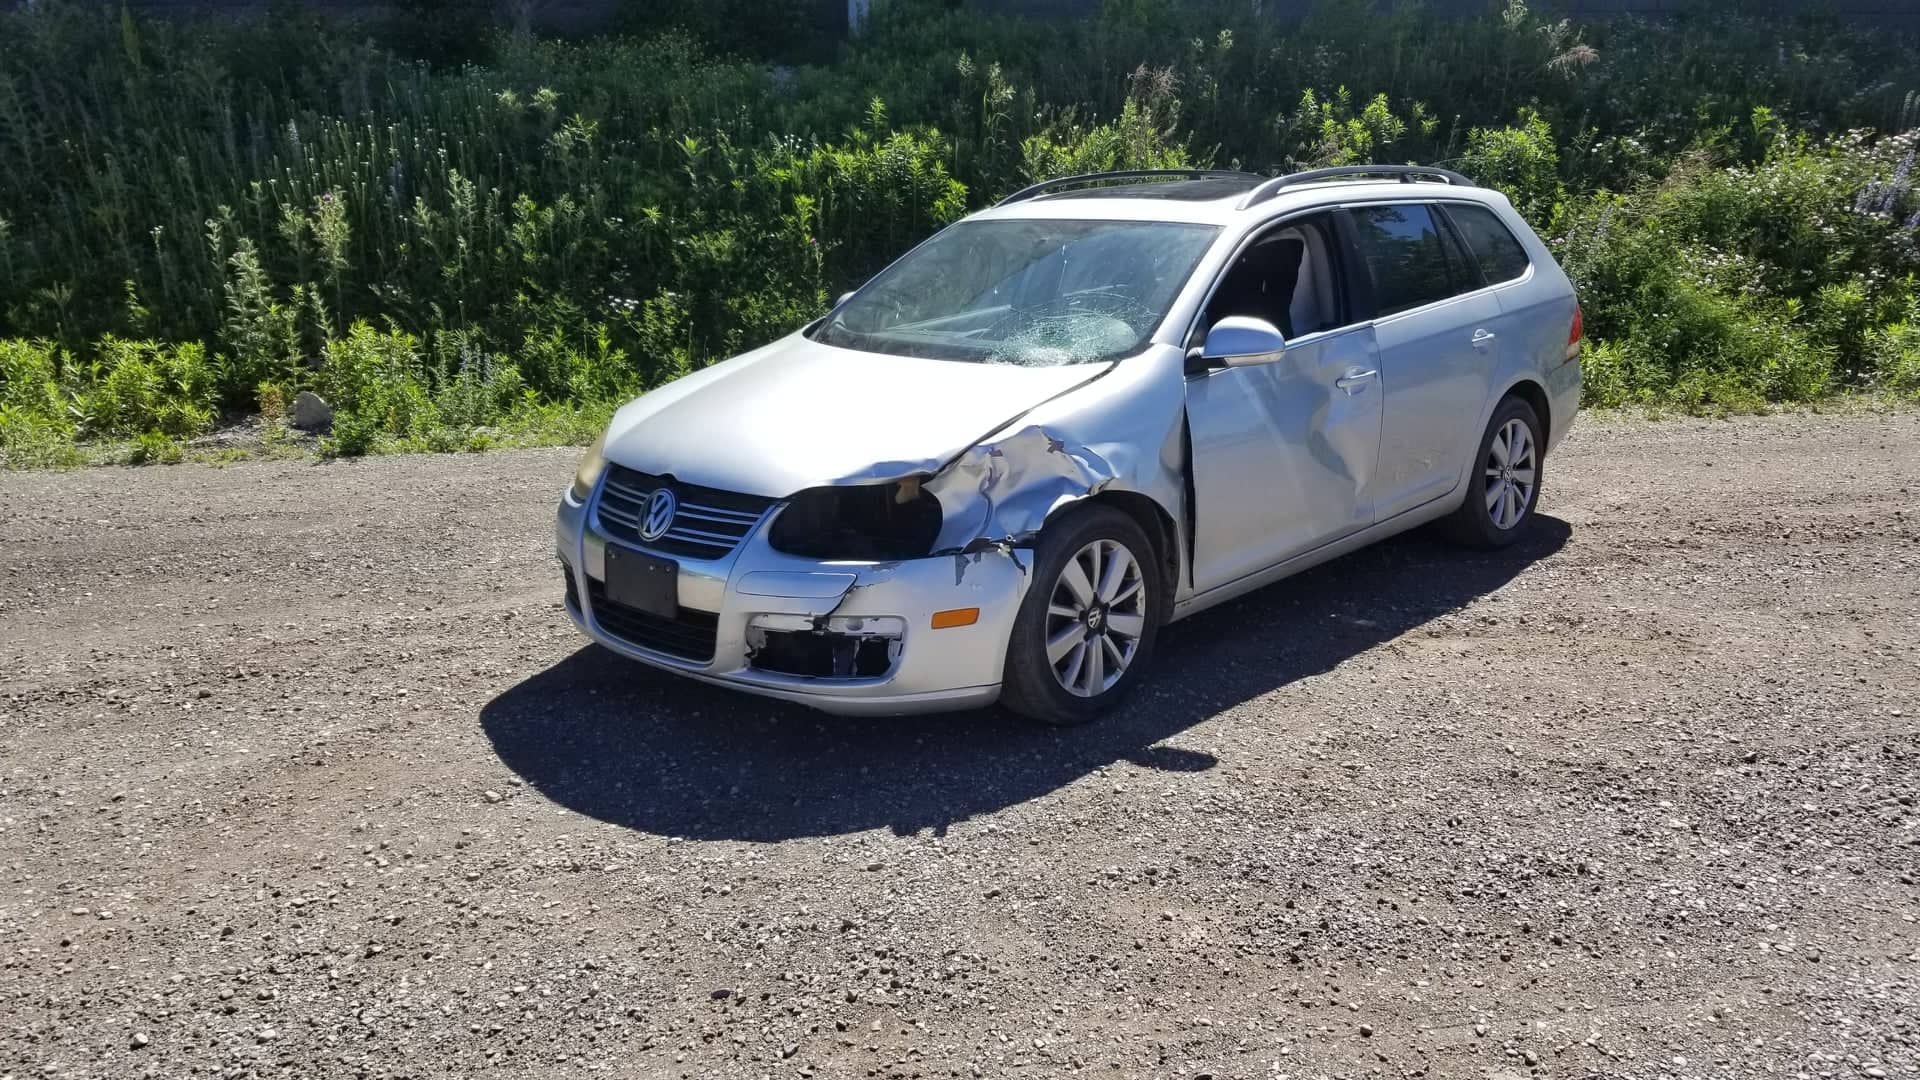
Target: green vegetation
{"points": [[468, 241]]}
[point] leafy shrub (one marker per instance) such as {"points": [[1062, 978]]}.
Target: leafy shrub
{"points": [[155, 448], [30, 441], [1522, 162], [375, 381], [870, 198], [1840, 317], [1330, 131], [354, 434], [1141, 138], [1723, 288], [272, 400], [207, 215], [1704, 350], [1791, 215], [1893, 351], [35, 427], [259, 333], [1610, 378], [29, 388], [135, 387]]}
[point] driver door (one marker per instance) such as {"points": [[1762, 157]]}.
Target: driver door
{"points": [[1284, 452]]}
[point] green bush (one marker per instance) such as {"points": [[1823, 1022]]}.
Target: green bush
{"points": [[36, 429], [1729, 287], [155, 448], [1893, 351], [208, 215], [1524, 163], [1704, 350], [1141, 138], [1329, 131], [134, 387], [30, 390], [354, 434]]}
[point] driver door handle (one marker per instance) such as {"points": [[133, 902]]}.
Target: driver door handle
{"points": [[1483, 338], [1355, 382]]}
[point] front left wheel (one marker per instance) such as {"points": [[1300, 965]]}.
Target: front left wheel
{"points": [[1088, 623]]}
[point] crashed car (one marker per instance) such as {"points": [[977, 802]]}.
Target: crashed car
{"points": [[997, 469]]}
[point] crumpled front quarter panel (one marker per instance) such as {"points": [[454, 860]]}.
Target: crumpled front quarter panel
{"points": [[1120, 432]]}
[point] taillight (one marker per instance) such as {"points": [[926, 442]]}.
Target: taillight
{"points": [[1574, 335]]}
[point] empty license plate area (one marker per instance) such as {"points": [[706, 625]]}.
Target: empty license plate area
{"points": [[643, 582]]}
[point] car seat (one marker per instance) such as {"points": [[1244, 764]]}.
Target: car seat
{"points": [[1262, 283]]}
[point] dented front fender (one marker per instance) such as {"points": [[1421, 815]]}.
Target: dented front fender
{"points": [[1002, 492], [1124, 431]]}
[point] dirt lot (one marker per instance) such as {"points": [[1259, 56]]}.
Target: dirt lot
{"points": [[303, 772]]}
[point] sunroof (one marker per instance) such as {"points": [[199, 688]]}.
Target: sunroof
{"points": [[1222, 187]]}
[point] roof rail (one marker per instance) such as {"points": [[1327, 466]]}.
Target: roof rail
{"points": [[1126, 174], [1405, 173]]}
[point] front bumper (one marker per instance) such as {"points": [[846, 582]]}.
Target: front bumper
{"points": [[755, 591]]}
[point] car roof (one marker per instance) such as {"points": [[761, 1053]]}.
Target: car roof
{"points": [[1216, 199]]}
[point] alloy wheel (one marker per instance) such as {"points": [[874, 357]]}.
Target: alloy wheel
{"points": [[1512, 471], [1095, 618]]}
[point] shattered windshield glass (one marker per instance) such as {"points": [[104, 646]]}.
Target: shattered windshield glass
{"points": [[1032, 292]]}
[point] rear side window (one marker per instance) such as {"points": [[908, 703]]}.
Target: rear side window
{"points": [[1493, 245], [1411, 261]]}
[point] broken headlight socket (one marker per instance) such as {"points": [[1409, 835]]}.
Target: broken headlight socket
{"points": [[898, 520]]}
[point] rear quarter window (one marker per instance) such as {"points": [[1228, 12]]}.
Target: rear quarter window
{"points": [[1493, 245], [1406, 255]]}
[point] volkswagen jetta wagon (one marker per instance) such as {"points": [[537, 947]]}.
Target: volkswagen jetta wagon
{"points": [[998, 468]]}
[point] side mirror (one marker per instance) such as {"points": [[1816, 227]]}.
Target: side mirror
{"points": [[1241, 341]]}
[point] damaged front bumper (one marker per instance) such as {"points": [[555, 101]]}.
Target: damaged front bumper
{"points": [[848, 637]]}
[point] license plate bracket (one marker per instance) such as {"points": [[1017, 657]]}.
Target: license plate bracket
{"points": [[643, 582]]}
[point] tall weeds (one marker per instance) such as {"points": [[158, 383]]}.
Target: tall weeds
{"points": [[595, 217]]}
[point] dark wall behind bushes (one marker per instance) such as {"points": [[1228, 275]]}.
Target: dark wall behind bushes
{"points": [[1901, 13], [831, 16], [202, 217]]}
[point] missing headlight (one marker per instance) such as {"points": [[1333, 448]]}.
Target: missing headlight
{"points": [[872, 521]]}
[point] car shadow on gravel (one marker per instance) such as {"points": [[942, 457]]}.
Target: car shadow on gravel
{"points": [[623, 743]]}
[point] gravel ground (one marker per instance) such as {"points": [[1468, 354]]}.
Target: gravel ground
{"points": [[303, 772]]}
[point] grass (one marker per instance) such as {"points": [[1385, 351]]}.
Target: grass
{"points": [[469, 239]]}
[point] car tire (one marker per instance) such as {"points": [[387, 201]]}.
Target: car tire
{"points": [[1504, 484], [1056, 677]]}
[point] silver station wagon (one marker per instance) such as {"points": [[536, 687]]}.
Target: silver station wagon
{"points": [[996, 470]]}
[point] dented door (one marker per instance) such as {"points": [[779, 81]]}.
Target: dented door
{"points": [[1283, 453]]}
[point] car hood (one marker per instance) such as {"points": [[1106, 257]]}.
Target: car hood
{"points": [[798, 414]]}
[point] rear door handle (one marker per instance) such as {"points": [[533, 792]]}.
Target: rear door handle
{"points": [[1483, 338], [1356, 381]]}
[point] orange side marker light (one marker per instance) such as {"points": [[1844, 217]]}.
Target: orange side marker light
{"points": [[965, 616]]}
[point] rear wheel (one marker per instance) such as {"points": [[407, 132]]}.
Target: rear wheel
{"points": [[1505, 482], [1088, 623]]}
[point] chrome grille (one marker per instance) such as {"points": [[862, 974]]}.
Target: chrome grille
{"points": [[709, 524]]}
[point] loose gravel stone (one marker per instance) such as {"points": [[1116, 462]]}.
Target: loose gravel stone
{"points": [[1581, 807]]}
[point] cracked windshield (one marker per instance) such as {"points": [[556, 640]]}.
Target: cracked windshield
{"points": [[1035, 293]]}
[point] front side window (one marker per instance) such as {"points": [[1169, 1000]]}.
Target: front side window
{"points": [[1285, 276], [1410, 260], [1033, 292], [1500, 255]]}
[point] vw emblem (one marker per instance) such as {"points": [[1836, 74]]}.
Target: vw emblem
{"points": [[661, 506]]}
